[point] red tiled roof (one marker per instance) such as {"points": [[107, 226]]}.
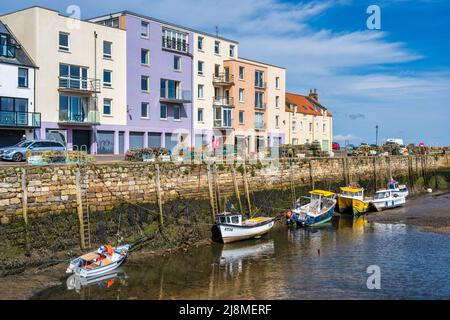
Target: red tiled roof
{"points": [[303, 104]]}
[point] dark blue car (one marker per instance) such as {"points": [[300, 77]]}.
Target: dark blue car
{"points": [[18, 152]]}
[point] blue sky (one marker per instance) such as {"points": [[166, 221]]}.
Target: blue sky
{"points": [[397, 77]]}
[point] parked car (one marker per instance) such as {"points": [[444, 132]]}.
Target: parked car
{"points": [[336, 146], [18, 152]]}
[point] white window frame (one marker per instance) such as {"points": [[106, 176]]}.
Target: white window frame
{"points": [[110, 107], [277, 102], [217, 45], [148, 83], [107, 84], [160, 108], [107, 55], [243, 72], [243, 117], [148, 109], [64, 48], [179, 63], [146, 36], [147, 55], [200, 63], [232, 50], [200, 111], [241, 91], [179, 113], [200, 40], [202, 87], [277, 82]]}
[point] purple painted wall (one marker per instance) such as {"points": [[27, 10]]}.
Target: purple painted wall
{"points": [[161, 67]]}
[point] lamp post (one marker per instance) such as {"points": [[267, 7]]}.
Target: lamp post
{"points": [[376, 135]]}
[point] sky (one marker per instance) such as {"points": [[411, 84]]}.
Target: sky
{"points": [[396, 77]]}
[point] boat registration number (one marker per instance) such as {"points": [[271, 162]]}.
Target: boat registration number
{"points": [[228, 229]]}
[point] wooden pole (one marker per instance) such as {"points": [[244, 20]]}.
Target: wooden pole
{"points": [[390, 168], [211, 194], [236, 188], [375, 173], [24, 197], [293, 196], [80, 208], [247, 193], [158, 193], [311, 175]]}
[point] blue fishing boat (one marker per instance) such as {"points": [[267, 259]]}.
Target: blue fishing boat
{"points": [[319, 210]]}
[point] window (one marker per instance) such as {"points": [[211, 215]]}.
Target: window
{"points": [[145, 57], [277, 121], [217, 70], [144, 29], [295, 141], [277, 82], [163, 112], [232, 47], [63, 41], [200, 115], [259, 98], [259, 79], [144, 110], [23, 78], [73, 77], [217, 47], [175, 40], [324, 128], [200, 91], [107, 50], [200, 67], [107, 78], [241, 73], [200, 43], [170, 89], [177, 63], [294, 126], [277, 102], [310, 127], [7, 49], [144, 83], [114, 22], [176, 112], [241, 117], [107, 107], [241, 95]]}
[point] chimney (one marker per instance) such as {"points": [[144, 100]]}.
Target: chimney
{"points": [[314, 94]]}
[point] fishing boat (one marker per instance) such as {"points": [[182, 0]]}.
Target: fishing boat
{"points": [[103, 281], [233, 228], [351, 199], [392, 197], [319, 210], [102, 261]]}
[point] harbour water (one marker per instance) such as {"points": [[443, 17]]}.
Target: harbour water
{"points": [[329, 262]]}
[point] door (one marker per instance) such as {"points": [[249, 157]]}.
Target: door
{"points": [[82, 138], [59, 135], [105, 142]]}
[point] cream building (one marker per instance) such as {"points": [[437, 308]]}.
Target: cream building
{"points": [[308, 120], [81, 80]]}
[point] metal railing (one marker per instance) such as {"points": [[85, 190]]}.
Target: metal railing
{"points": [[223, 101], [221, 123], [261, 85], [20, 119], [173, 44], [79, 83], [90, 118], [261, 106], [223, 78], [260, 125]]}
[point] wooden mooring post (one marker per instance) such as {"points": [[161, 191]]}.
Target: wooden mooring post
{"points": [[158, 194], [212, 194], [375, 173], [80, 208], [311, 176], [236, 188], [247, 193], [24, 197]]}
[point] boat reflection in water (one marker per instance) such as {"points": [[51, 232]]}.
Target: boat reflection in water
{"points": [[233, 255], [77, 283]]}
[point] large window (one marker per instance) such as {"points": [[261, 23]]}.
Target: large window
{"points": [[136, 140], [144, 29], [259, 79], [105, 142], [63, 41], [145, 86], [6, 47], [23, 78], [107, 78], [176, 112], [175, 40], [107, 49], [145, 57], [13, 111], [259, 100], [170, 89], [154, 139], [163, 112], [73, 108], [73, 77]]}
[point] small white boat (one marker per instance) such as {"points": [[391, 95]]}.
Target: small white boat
{"points": [[232, 228], [102, 261], [107, 280], [392, 197]]}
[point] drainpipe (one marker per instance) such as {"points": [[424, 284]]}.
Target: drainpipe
{"points": [[94, 138]]}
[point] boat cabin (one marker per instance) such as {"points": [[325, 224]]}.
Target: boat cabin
{"points": [[392, 185], [382, 194], [229, 218], [320, 199], [355, 193]]}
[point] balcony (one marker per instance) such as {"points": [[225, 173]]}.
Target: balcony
{"points": [[180, 98], [223, 101], [223, 79], [261, 85], [260, 125], [222, 118], [222, 124], [261, 106], [8, 51], [17, 119], [176, 45], [79, 85], [91, 118]]}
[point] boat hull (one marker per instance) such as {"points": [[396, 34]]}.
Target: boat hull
{"points": [[88, 273], [232, 233], [389, 203], [311, 221]]}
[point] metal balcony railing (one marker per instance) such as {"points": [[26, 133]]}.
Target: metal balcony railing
{"points": [[223, 78], [223, 101], [174, 44], [260, 125], [222, 124], [261, 106], [90, 118], [260, 85], [79, 84], [14, 119]]}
